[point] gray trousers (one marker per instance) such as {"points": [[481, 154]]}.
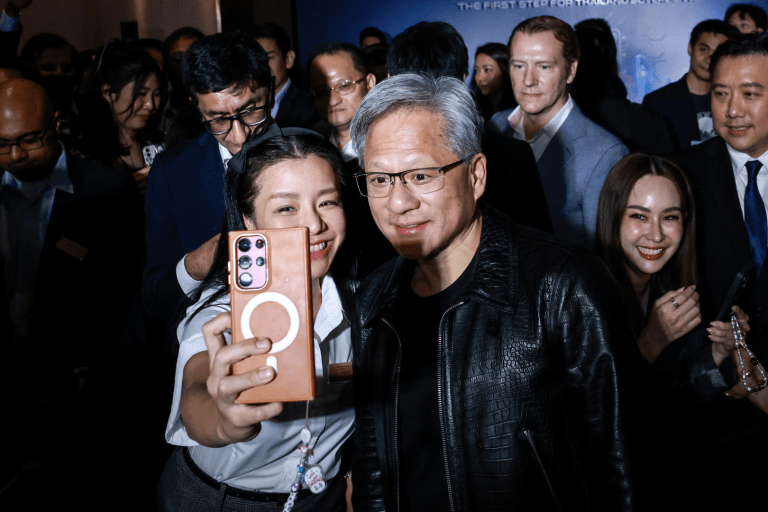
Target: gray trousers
{"points": [[180, 490]]}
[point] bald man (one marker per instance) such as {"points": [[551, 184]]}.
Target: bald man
{"points": [[70, 246]]}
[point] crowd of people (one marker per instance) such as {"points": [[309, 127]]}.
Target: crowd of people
{"points": [[522, 289]]}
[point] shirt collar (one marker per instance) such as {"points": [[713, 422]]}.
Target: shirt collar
{"points": [[226, 156], [279, 96], [554, 124], [739, 160], [58, 179], [331, 313]]}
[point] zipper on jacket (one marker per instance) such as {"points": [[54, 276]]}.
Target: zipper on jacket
{"points": [[528, 434], [440, 398], [397, 409]]}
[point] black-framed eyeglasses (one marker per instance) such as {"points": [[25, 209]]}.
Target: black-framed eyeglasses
{"points": [[223, 125], [27, 143], [344, 88], [417, 181]]}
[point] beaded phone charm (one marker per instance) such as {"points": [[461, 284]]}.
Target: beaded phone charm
{"points": [[310, 475], [740, 344]]}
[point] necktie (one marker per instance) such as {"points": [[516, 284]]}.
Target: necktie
{"points": [[755, 217]]}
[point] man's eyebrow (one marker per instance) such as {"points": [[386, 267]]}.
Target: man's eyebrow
{"points": [[751, 85], [23, 135], [249, 103]]}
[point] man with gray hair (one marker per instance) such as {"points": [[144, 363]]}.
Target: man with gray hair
{"points": [[489, 359]]}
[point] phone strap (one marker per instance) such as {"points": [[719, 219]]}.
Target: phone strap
{"points": [[742, 345], [307, 474]]}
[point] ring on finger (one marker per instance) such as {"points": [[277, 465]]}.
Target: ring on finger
{"points": [[674, 302]]}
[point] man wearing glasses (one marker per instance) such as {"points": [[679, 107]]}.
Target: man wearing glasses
{"points": [[489, 359], [227, 77], [70, 241], [339, 82]]}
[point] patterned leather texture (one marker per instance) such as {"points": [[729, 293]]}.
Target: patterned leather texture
{"points": [[532, 379]]}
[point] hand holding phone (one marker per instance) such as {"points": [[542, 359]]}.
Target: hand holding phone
{"points": [[270, 294]]}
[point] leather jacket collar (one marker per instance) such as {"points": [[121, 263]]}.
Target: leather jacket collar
{"points": [[496, 278]]}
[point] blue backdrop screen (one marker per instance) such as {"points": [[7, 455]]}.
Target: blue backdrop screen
{"points": [[651, 35]]}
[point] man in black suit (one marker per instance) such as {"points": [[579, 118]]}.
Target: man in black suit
{"points": [[293, 106], [729, 175], [685, 103], [514, 186], [70, 262]]}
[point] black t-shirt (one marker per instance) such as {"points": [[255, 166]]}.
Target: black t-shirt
{"points": [[423, 480], [702, 104]]}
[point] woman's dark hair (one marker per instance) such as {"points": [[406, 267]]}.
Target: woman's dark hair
{"points": [[118, 64], [611, 208], [499, 53], [241, 190]]}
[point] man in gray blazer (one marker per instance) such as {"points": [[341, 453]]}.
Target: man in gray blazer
{"points": [[573, 154]]}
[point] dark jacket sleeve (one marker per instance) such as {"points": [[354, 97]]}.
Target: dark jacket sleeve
{"points": [[586, 315], [367, 478], [161, 291]]}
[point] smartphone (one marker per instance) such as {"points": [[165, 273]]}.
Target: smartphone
{"points": [[741, 284], [270, 295], [150, 152]]}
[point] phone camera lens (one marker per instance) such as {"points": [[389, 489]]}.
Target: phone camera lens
{"points": [[259, 243], [246, 279], [244, 245], [245, 262], [260, 261]]}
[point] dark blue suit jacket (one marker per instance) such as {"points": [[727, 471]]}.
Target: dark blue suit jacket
{"points": [[184, 203]]}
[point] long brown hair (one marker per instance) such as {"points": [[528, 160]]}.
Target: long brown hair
{"points": [[681, 269]]}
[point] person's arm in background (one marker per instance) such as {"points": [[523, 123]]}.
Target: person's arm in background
{"points": [[10, 27]]}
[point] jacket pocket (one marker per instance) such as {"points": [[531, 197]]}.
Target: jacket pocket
{"points": [[527, 435]]}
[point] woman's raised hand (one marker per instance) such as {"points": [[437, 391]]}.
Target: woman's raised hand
{"points": [[673, 315], [237, 422], [721, 334]]}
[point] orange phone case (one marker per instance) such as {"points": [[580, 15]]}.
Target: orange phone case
{"points": [[281, 310]]}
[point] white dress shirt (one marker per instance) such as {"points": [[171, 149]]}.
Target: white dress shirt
{"points": [[268, 462], [739, 164], [541, 138]]}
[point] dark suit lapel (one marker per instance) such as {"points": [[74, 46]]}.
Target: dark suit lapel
{"points": [[724, 196]]}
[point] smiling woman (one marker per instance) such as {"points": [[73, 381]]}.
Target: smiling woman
{"points": [[118, 121], [282, 179]]}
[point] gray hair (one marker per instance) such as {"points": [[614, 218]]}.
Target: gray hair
{"points": [[461, 129]]}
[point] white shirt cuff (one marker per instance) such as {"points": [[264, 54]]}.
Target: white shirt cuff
{"points": [[9, 24], [187, 282]]}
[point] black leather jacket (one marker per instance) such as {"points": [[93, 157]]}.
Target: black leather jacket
{"points": [[528, 380]]}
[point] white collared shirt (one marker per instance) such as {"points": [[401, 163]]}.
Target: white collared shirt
{"points": [[739, 165], [540, 139], [268, 462]]}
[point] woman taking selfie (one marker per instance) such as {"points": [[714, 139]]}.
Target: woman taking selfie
{"points": [[491, 84], [236, 456], [118, 124]]}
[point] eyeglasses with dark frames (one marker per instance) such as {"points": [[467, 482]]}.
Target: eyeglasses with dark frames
{"points": [[223, 125], [28, 142], [344, 88], [417, 181]]}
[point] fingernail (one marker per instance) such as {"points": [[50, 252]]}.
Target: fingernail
{"points": [[694, 287], [262, 343], [681, 289], [265, 372], [712, 324]]}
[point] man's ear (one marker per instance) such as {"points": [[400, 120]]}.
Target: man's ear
{"points": [[289, 58], [478, 173], [690, 49], [57, 123], [572, 72], [370, 81]]}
